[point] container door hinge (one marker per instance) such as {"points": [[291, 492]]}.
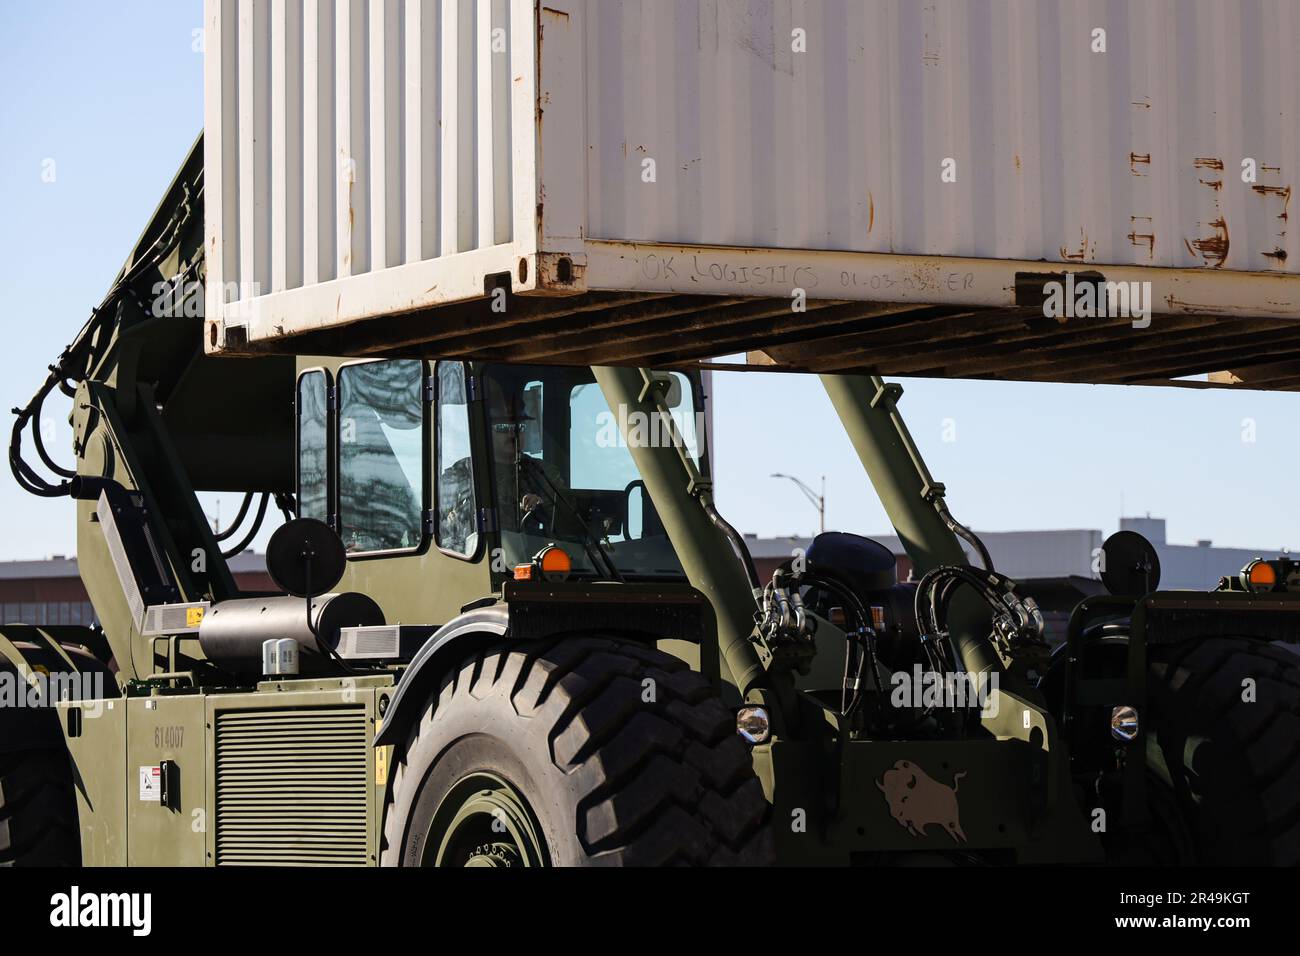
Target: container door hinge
{"points": [[430, 522], [332, 399], [472, 388], [487, 520], [429, 389]]}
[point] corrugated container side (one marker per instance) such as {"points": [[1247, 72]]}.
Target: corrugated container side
{"points": [[1060, 151], [351, 137]]}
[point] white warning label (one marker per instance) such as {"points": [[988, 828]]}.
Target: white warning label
{"points": [[151, 784]]}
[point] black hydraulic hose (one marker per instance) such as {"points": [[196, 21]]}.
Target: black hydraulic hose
{"points": [[959, 529], [287, 505], [252, 533], [27, 477], [282, 501], [78, 359], [937, 587], [39, 442], [737, 543], [50, 463], [853, 605], [329, 653], [239, 517]]}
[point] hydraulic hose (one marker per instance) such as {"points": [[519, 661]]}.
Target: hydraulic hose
{"points": [[239, 518], [737, 541], [959, 529], [252, 533], [78, 359]]}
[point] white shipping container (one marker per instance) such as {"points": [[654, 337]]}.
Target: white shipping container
{"points": [[369, 158]]}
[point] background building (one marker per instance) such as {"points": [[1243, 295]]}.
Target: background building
{"points": [[51, 592], [1066, 553]]}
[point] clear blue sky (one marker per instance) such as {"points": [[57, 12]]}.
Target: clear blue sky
{"points": [[112, 93]]}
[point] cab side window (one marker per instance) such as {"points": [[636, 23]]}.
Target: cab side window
{"points": [[457, 523], [381, 444], [313, 446]]}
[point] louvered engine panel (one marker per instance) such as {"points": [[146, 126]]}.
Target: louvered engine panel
{"points": [[291, 787]]}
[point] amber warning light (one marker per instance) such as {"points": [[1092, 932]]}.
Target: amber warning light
{"points": [[550, 564], [1261, 576]]}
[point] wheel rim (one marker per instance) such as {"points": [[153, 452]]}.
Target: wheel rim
{"points": [[484, 821]]}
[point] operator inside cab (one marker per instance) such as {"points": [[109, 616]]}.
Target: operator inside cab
{"points": [[520, 474]]}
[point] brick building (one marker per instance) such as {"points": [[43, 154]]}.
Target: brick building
{"points": [[51, 592]]}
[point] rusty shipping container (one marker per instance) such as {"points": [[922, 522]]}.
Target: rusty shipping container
{"points": [[390, 162]]}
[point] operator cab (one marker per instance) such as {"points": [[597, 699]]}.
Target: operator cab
{"points": [[562, 474], [486, 465]]}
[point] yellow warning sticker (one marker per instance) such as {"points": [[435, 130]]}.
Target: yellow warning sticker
{"points": [[193, 616], [382, 755]]}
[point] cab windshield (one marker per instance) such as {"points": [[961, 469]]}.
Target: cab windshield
{"points": [[564, 475]]}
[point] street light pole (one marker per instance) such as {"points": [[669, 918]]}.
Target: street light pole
{"points": [[819, 501]]}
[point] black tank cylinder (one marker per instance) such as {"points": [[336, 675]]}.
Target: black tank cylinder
{"points": [[233, 632]]}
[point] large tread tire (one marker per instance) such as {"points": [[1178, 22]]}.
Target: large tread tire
{"points": [[38, 810], [611, 778], [1233, 764]]}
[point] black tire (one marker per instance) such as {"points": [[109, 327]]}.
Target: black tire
{"points": [[1233, 765], [606, 777], [38, 810]]}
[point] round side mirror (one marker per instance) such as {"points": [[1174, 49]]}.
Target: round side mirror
{"points": [[1129, 565], [306, 558]]}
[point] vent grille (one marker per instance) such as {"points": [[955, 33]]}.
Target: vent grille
{"points": [[378, 641], [291, 787]]}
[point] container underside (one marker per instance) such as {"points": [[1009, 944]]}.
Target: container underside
{"points": [[676, 306]]}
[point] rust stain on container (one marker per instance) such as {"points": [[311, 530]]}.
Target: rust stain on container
{"points": [[1178, 305], [1282, 192], [1139, 239], [556, 14], [930, 51], [1207, 162], [1213, 249], [1138, 159], [871, 211], [1084, 251]]}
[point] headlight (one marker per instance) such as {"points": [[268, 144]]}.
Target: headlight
{"points": [[752, 723], [1124, 723]]}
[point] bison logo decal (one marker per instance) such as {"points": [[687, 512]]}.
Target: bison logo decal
{"points": [[916, 800]]}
